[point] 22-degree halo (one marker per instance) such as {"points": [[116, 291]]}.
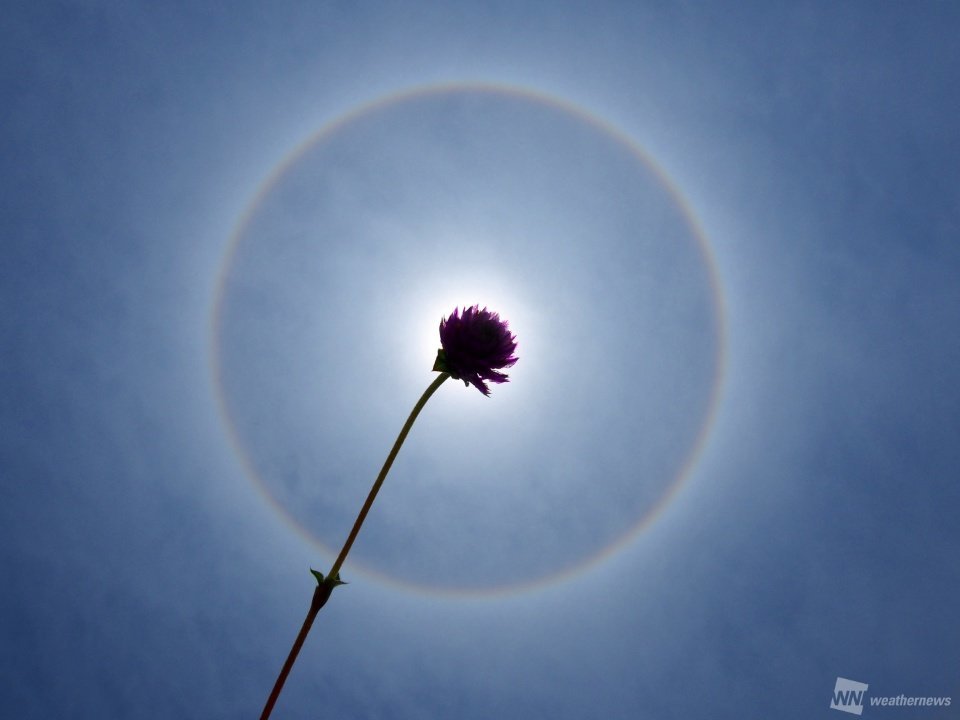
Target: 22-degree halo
{"points": [[327, 137]]}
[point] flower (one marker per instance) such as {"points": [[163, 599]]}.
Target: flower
{"points": [[476, 345]]}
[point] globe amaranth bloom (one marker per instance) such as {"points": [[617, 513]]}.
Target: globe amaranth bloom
{"points": [[476, 345]]}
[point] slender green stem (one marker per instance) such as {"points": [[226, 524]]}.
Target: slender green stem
{"points": [[323, 590], [383, 472], [320, 597]]}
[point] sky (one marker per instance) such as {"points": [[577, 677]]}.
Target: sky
{"points": [[723, 473]]}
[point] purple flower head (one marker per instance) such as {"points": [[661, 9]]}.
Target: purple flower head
{"points": [[476, 345]]}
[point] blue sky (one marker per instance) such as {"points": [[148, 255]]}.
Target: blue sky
{"points": [[727, 240]]}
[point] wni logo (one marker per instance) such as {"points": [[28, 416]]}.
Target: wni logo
{"points": [[848, 696]]}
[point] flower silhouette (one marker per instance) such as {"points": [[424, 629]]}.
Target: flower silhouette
{"points": [[476, 345]]}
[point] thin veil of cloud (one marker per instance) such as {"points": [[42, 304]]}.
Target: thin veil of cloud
{"points": [[148, 575]]}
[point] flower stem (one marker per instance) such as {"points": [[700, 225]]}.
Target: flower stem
{"points": [[320, 597], [383, 473], [323, 590]]}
